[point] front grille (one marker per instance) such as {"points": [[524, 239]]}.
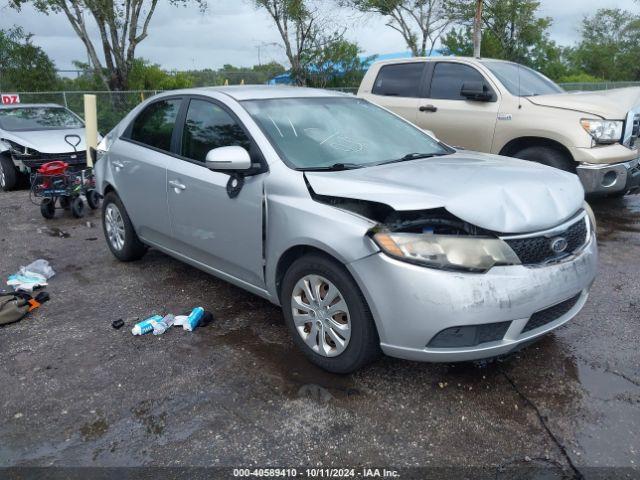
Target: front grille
{"points": [[635, 129], [536, 250], [550, 314], [72, 158]]}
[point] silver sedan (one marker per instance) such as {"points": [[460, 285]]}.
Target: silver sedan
{"points": [[371, 234]]}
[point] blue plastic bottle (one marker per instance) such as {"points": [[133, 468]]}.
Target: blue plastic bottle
{"points": [[193, 320], [145, 326]]}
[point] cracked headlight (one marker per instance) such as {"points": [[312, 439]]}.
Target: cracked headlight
{"points": [[447, 252], [603, 131]]}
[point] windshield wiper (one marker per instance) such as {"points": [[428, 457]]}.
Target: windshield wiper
{"points": [[413, 156], [336, 167]]}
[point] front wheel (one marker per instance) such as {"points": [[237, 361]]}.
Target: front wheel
{"points": [[8, 174], [328, 316], [549, 156], [119, 232]]}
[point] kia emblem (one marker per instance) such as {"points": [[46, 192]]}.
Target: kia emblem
{"points": [[559, 245]]}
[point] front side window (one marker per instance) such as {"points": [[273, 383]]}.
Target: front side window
{"points": [[448, 79], [401, 80], [154, 126], [338, 132], [38, 118], [208, 126], [521, 80]]}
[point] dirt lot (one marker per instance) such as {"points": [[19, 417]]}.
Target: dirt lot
{"points": [[76, 392]]}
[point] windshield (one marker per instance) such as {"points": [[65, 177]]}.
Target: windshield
{"points": [[312, 133], [521, 80], [38, 118]]}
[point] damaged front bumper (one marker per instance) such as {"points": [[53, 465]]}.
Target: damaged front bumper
{"points": [[420, 311], [602, 179]]}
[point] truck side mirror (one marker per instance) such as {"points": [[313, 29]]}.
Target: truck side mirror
{"points": [[477, 91]]}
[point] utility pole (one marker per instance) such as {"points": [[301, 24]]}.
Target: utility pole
{"points": [[477, 29]]}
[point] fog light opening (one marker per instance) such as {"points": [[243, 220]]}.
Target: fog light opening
{"points": [[609, 179]]}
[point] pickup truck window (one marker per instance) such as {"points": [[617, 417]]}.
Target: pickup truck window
{"points": [[448, 78], [521, 80], [400, 80]]}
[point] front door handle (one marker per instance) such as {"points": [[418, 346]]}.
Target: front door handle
{"points": [[177, 185], [428, 108], [117, 164]]}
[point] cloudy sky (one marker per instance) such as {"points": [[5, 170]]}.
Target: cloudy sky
{"points": [[235, 32]]}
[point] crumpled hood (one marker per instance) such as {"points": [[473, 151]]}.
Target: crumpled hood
{"points": [[47, 141], [610, 104], [492, 192]]}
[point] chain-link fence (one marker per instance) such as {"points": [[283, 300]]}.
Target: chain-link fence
{"points": [[113, 106]]}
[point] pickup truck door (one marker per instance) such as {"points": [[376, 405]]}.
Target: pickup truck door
{"points": [[399, 87], [454, 119]]}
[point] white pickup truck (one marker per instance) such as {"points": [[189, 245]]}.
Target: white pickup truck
{"points": [[501, 107]]}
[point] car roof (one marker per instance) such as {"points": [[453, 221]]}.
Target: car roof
{"points": [[30, 105], [451, 58], [261, 92]]}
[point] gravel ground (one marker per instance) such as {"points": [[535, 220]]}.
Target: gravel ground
{"points": [[76, 392]]}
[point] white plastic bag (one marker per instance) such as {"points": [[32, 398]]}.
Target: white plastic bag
{"points": [[40, 267]]}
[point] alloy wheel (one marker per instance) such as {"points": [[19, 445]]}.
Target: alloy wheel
{"points": [[321, 315], [3, 180], [114, 226]]}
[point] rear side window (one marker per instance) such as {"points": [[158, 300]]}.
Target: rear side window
{"points": [[401, 80], [208, 126], [448, 79], [154, 126]]}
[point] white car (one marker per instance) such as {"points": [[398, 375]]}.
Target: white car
{"points": [[34, 134]]}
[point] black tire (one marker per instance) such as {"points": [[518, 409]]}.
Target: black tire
{"points": [[77, 207], [93, 199], [132, 248], [8, 174], [364, 344], [48, 208], [549, 156]]}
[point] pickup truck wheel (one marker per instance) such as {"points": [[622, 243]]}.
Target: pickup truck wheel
{"points": [[8, 174], [327, 315], [549, 156]]}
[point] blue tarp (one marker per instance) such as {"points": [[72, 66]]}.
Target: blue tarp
{"points": [[367, 60]]}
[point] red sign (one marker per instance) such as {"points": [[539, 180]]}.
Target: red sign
{"points": [[10, 99]]}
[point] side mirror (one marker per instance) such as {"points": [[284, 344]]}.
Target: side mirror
{"points": [[475, 90], [228, 158]]}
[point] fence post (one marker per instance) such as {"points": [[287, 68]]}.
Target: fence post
{"points": [[91, 125], [64, 98]]}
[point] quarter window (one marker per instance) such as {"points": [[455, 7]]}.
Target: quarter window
{"points": [[400, 80], [448, 79], [208, 126], [154, 126]]}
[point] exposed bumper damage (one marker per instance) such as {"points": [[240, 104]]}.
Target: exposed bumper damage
{"points": [[437, 315]]}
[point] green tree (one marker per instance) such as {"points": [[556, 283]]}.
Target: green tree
{"points": [[122, 25], [337, 63], [24, 66], [610, 45], [303, 30], [420, 22], [512, 31]]}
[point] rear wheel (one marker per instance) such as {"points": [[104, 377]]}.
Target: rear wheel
{"points": [[77, 207], [549, 156], [118, 230], [48, 208], [8, 174], [327, 315], [93, 199]]}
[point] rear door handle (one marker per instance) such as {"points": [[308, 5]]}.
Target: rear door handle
{"points": [[117, 164], [177, 185], [428, 108]]}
